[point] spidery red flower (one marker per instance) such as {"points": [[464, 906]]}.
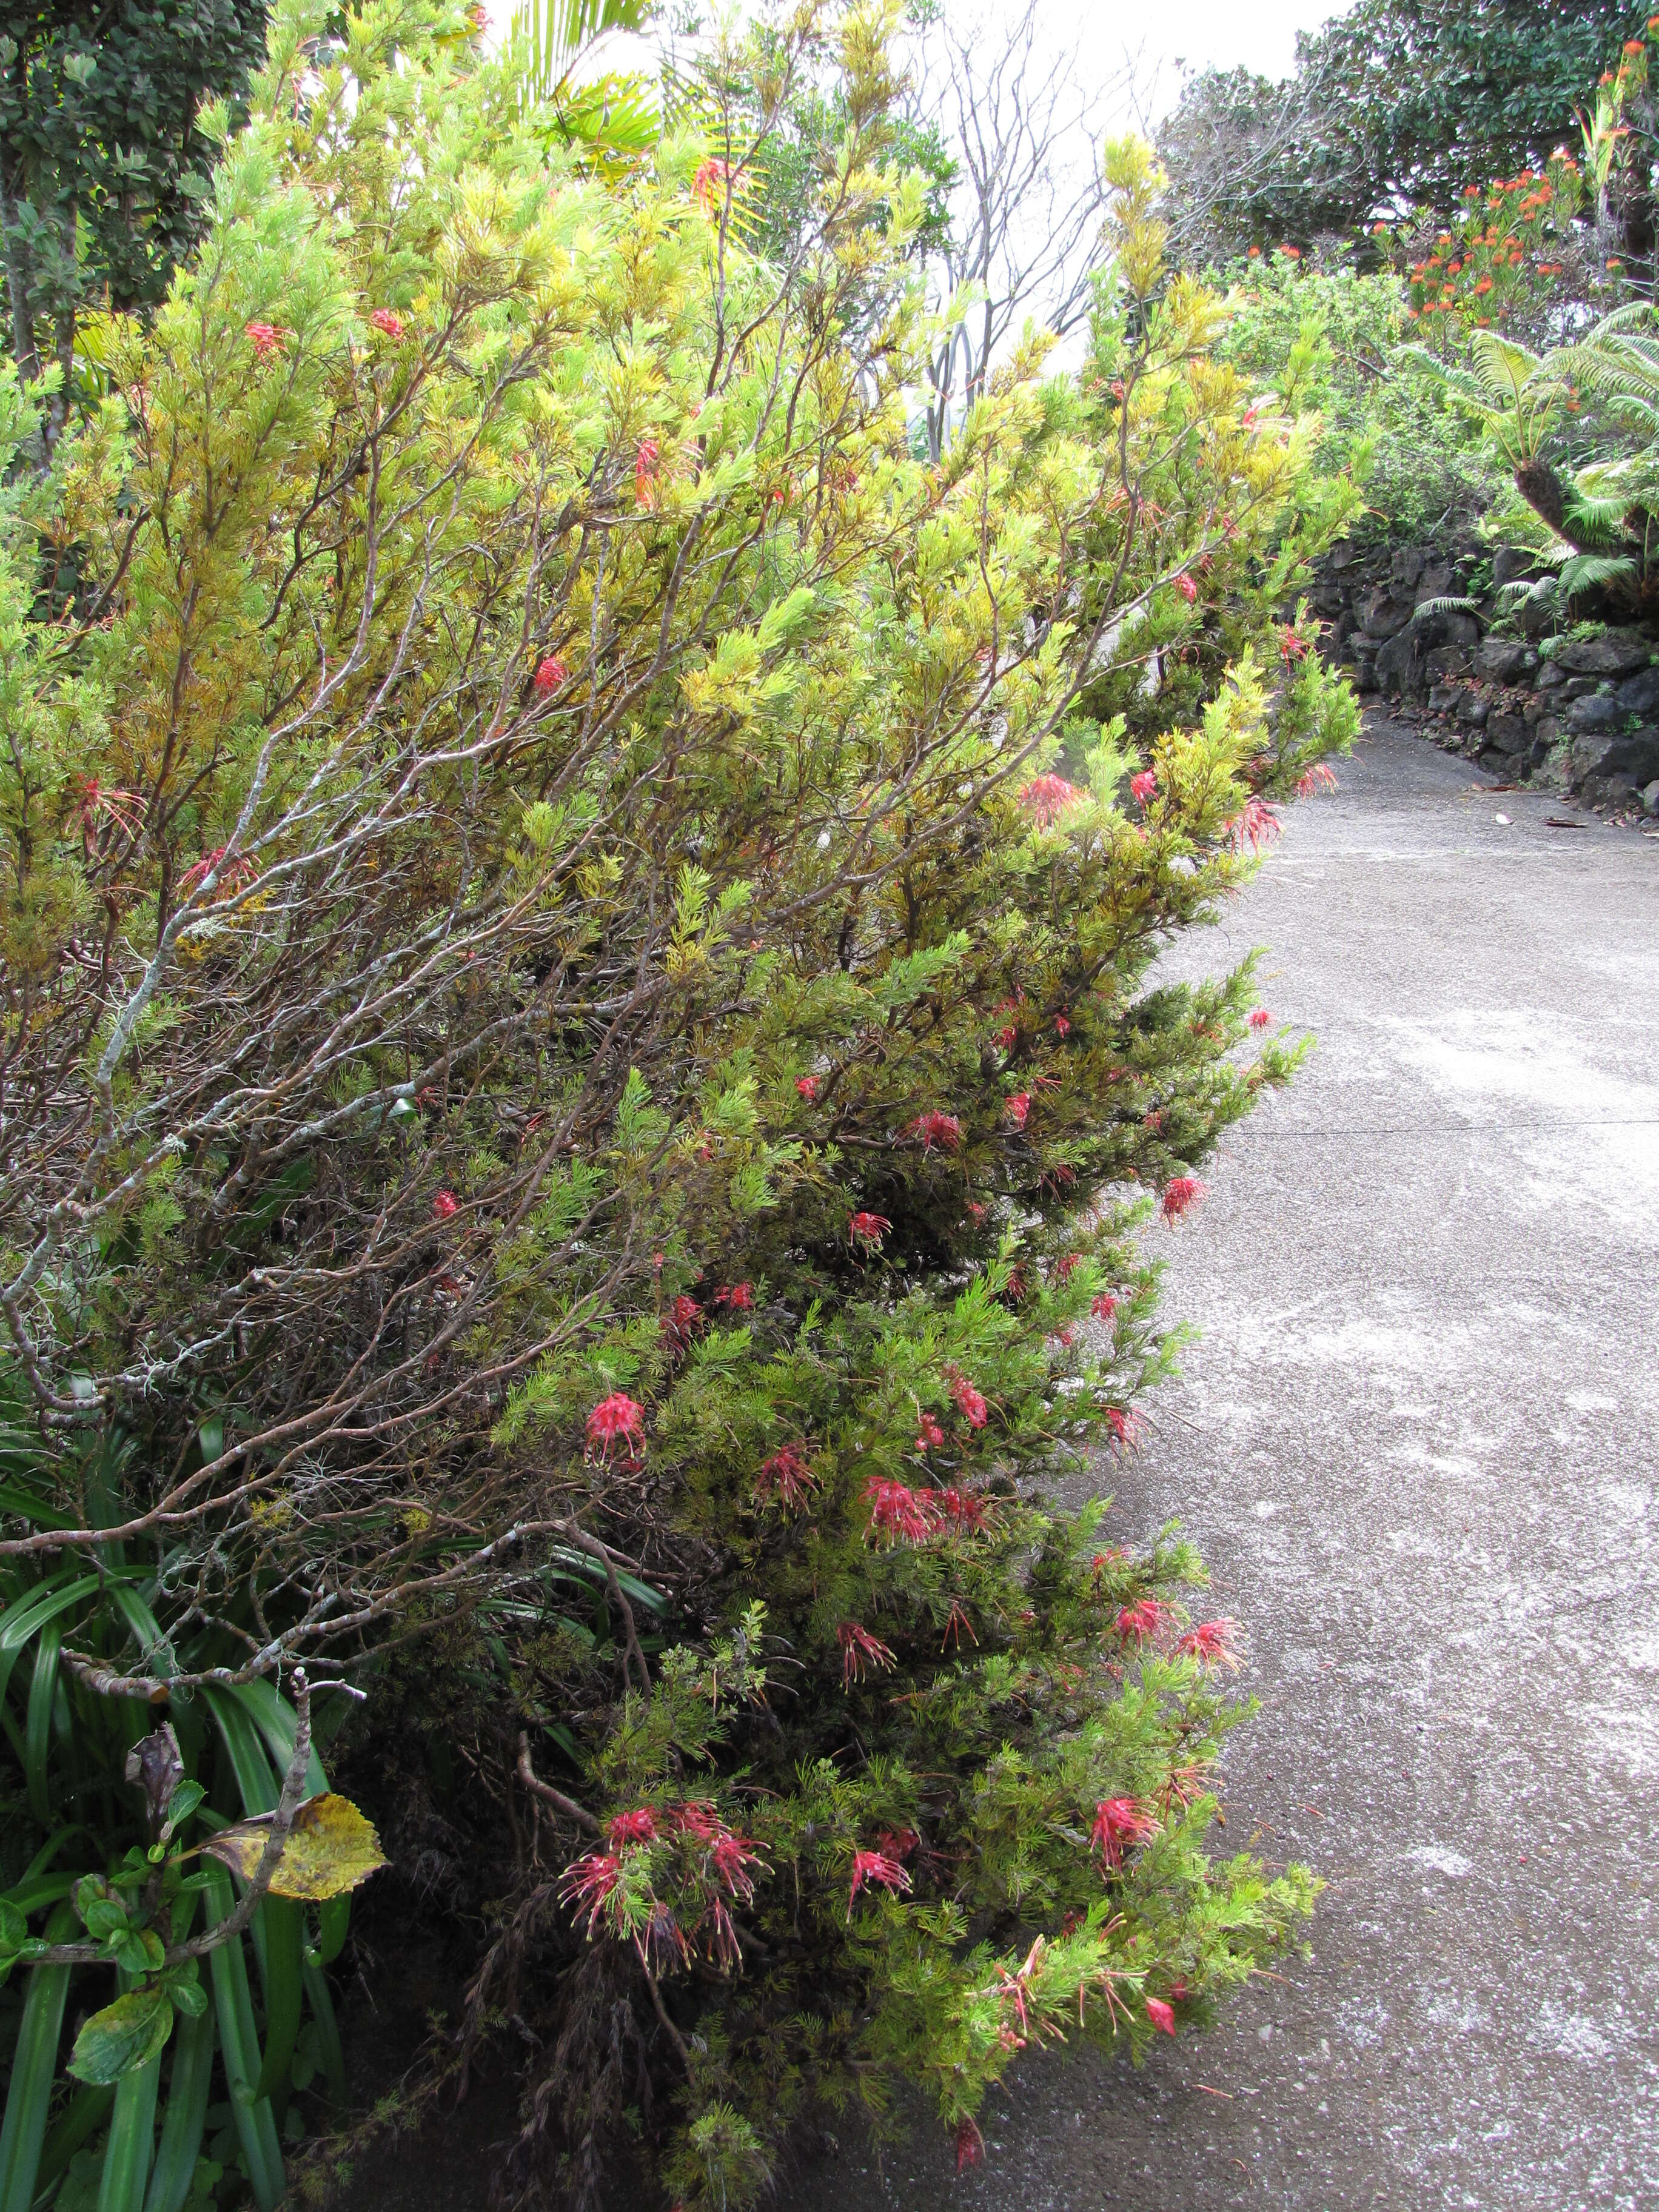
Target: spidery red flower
{"points": [[739, 1296], [875, 1868], [637, 1827], [551, 673], [1258, 824], [695, 1818], [1145, 784], [444, 1205], [1120, 1823], [965, 1507], [785, 1477], [808, 1087], [231, 873], [266, 337], [861, 1652], [617, 1416], [1017, 1108], [1125, 1427], [901, 1514], [1047, 797], [1317, 778], [588, 1883], [1181, 1194], [928, 1433], [388, 325], [1211, 1642], [1142, 1619], [969, 1402], [868, 1228], [682, 1321], [708, 185], [1103, 1307], [646, 462], [734, 1855], [1260, 1019], [936, 1127]]}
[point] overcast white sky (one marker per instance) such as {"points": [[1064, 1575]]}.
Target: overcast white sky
{"points": [[1259, 34]]}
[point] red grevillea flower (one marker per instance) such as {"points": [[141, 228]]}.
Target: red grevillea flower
{"points": [[1211, 1642], [1103, 1307], [808, 1087], [646, 462], [1317, 778], [928, 1433], [1188, 589], [388, 325], [1017, 1108], [1181, 1194], [1065, 1267], [739, 1296], [970, 2145], [1161, 2016], [1047, 797], [965, 1507], [682, 1321], [1292, 646], [897, 1842], [267, 339], [785, 1477], [549, 674], [1260, 1019], [588, 1883], [614, 1416], [1062, 1026], [734, 1855], [1145, 784], [861, 1652], [708, 185], [638, 1827], [1125, 1427], [1258, 824], [900, 1514], [935, 1128], [1005, 1039], [1142, 1619], [445, 1205], [969, 1402], [1119, 1822], [695, 1818], [231, 873], [875, 1868], [1018, 1283], [868, 1228]]}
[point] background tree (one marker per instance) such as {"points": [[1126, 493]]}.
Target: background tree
{"points": [[103, 171], [1400, 102], [1020, 121]]}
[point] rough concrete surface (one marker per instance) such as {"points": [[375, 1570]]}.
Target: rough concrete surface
{"points": [[1416, 1443]]}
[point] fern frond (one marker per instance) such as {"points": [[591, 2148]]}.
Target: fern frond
{"points": [[1585, 572]]}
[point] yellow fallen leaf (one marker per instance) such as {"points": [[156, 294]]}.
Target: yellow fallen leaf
{"points": [[329, 1850]]}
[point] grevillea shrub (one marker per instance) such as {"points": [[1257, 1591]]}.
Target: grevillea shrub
{"points": [[577, 928]]}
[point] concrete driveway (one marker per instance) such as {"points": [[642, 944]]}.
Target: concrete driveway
{"points": [[1416, 1443]]}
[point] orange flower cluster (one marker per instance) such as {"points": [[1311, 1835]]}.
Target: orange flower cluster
{"points": [[1491, 264]]}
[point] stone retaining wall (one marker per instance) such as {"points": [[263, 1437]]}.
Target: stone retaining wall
{"points": [[1571, 707]]}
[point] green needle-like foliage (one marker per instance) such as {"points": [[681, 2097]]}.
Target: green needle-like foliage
{"points": [[585, 1065]]}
